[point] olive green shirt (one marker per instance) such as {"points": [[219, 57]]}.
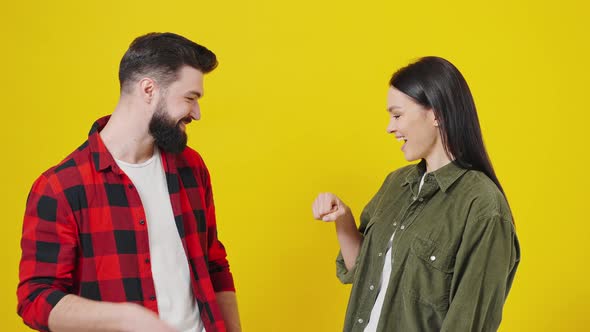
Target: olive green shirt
{"points": [[454, 255]]}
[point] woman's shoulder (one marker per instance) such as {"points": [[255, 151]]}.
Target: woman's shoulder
{"points": [[402, 173], [485, 197]]}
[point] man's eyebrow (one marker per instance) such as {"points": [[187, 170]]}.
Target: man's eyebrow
{"points": [[392, 108], [197, 93]]}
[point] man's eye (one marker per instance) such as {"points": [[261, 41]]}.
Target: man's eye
{"points": [[396, 116]]}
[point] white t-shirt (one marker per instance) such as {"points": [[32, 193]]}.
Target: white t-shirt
{"points": [[385, 276], [170, 271]]}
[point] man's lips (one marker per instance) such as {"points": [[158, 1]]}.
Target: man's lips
{"points": [[185, 121]]}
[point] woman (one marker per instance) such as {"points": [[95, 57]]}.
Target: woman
{"points": [[436, 248]]}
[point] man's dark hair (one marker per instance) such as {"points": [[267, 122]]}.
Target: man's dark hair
{"points": [[160, 56]]}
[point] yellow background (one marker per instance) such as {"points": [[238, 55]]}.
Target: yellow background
{"points": [[296, 107]]}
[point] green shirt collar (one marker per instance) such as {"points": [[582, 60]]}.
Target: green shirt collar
{"points": [[444, 176]]}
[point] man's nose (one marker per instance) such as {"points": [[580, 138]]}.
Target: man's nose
{"points": [[196, 112]]}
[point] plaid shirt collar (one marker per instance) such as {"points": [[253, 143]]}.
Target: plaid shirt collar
{"points": [[102, 158]]}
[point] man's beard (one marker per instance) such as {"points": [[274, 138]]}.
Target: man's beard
{"points": [[167, 133]]}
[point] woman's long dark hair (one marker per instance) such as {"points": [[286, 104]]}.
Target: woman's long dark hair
{"points": [[437, 84]]}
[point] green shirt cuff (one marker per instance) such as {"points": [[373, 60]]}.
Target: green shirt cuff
{"points": [[346, 276]]}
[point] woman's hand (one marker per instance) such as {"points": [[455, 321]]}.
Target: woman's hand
{"points": [[328, 207]]}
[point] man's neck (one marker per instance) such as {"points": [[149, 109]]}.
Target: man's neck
{"points": [[126, 135]]}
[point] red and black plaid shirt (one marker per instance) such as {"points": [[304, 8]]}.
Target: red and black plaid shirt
{"points": [[85, 233]]}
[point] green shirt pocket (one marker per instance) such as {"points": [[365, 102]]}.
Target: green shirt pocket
{"points": [[428, 273], [433, 255]]}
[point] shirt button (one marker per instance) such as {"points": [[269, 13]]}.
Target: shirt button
{"points": [[147, 260], [380, 254], [421, 199], [152, 298], [142, 222], [394, 224], [360, 320], [402, 227], [433, 258], [371, 287], [414, 198], [130, 186]]}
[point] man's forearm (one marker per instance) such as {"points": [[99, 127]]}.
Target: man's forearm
{"points": [[228, 305], [74, 313]]}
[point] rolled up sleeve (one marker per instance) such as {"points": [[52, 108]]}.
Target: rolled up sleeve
{"points": [[345, 275], [48, 246]]}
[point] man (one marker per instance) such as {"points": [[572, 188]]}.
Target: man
{"points": [[121, 235]]}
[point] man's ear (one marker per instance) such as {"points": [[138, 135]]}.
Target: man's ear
{"points": [[147, 89]]}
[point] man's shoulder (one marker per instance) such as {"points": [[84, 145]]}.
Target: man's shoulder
{"points": [[189, 157], [70, 170], [190, 167]]}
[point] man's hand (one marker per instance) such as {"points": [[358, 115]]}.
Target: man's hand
{"points": [[140, 319]]}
